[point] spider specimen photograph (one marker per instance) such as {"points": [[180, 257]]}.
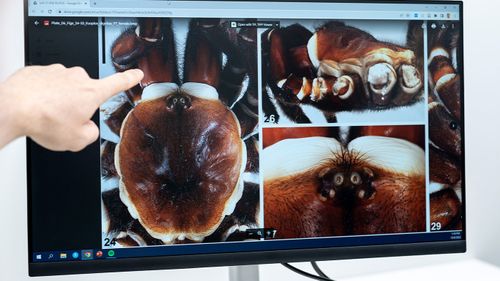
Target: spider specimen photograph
{"points": [[445, 121], [329, 71], [332, 181], [179, 152]]}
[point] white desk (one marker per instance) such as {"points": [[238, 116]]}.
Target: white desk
{"points": [[470, 270], [459, 270]]}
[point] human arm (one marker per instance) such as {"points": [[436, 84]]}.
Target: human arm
{"points": [[53, 105]]}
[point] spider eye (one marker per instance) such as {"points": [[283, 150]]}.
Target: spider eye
{"points": [[355, 178], [453, 125], [338, 179]]}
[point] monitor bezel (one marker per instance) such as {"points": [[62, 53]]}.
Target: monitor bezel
{"points": [[256, 257]]}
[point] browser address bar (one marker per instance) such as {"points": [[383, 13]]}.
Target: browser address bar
{"points": [[160, 4], [234, 13]]}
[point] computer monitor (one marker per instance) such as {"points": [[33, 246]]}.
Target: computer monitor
{"points": [[262, 132]]}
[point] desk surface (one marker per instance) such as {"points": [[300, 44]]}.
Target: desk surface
{"points": [[453, 268], [470, 269]]}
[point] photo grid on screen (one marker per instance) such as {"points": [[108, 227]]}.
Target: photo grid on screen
{"points": [[248, 130]]}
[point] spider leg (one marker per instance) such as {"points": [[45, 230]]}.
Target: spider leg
{"points": [[159, 62], [445, 128], [444, 110], [241, 52], [286, 82], [445, 169], [108, 169], [414, 39], [289, 105], [446, 208], [268, 107], [114, 116], [443, 76], [202, 61], [293, 111], [125, 52], [120, 225], [240, 49], [118, 217], [247, 107], [330, 117], [150, 47]]}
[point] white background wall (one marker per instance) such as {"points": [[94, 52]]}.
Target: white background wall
{"points": [[482, 74]]}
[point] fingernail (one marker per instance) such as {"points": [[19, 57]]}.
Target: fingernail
{"points": [[136, 72], [139, 72]]}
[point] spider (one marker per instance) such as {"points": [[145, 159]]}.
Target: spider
{"points": [[445, 123], [352, 181], [336, 68], [187, 155]]}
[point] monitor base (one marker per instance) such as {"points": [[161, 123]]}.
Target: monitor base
{"points": [[244, 273]]}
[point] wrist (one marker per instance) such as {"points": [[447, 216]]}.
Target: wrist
{"points": [[10, 123]]}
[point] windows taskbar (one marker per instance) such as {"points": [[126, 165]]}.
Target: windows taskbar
{"points": [[246, 246]]}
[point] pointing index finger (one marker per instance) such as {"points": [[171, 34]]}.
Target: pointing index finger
{"points": [[118, 82]]}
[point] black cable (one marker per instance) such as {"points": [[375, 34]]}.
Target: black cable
{"points": [[306, 274], [319, 271]]}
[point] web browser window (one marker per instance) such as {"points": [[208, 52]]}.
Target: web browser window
{"points": [[257, 126]]}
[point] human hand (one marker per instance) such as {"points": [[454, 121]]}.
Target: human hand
{"points": [[53, 104]]}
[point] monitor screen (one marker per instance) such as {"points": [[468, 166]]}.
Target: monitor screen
{"points": [[261, 132]]}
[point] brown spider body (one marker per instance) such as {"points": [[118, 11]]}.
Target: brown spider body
{"points": [[445, 127], [338, 68], [187, 160], [181, 156], [363, 188]]}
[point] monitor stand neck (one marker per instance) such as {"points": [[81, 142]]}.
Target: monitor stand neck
{"points": [[244, 273]]}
